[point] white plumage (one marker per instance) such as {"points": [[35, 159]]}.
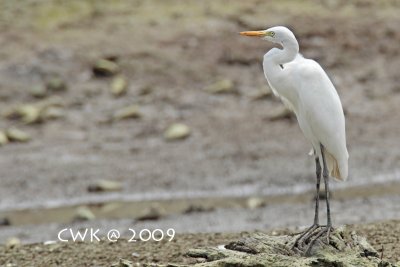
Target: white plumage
{"points": [[305, 88]]}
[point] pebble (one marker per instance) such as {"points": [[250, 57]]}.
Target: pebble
{"points": [[3, 138], [84, 214], [105, 67], [17, 135], [151, 213], [129, 112], [262, 94], [177, 131], [56, 84], [110, 207], [283, 113], [53, 246], [52, 113], [49, 108], [119, 86], [13, 242], [38, 91], [27, 113], [221, 87], [49, 242], [104, 186], [255, 202]]}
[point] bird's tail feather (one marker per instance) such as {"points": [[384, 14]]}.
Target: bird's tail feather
{"points": [[333, 167]]}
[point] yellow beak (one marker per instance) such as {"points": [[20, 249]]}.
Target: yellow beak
{"points": [[254, 33]]}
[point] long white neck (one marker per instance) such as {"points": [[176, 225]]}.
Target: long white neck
{"points": [[288, 53], [273, 65]]}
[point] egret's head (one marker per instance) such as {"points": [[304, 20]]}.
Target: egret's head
{"points": [[278, 34]]}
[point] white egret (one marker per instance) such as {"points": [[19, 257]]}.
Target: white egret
{"points": [[305, 88]]}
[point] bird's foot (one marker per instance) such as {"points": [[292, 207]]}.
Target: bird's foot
{"points": [[305, 242], [304, 235], [324, 231]]}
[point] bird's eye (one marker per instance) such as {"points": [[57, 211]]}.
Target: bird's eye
{"points": [[272, 34]]}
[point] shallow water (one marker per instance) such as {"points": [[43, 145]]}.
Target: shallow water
{"points": [[121, 206]]}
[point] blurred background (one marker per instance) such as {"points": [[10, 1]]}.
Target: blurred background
{"points": [[156, 114]]}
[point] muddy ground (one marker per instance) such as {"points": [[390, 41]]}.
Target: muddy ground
{"points": [[169, 51], [106, 253], [174, 50]]}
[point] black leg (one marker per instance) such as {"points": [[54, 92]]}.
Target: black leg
{"points": [[309, 232], [328, 227], [318, 172], [326, 181], [316, 231]]}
